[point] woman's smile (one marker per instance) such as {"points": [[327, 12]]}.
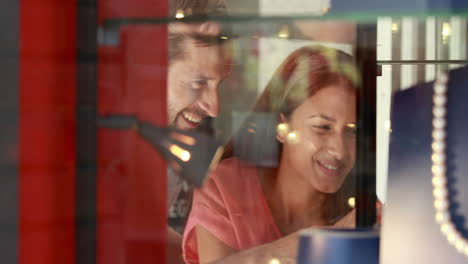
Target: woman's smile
{"points": [[329, 168]]}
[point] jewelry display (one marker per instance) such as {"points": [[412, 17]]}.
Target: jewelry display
{"points": [[439, 177]]}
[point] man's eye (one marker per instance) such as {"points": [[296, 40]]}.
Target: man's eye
{"points": [[198, 84]]}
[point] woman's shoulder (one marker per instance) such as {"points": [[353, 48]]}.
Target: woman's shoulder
{"points": [[234, 162], [232, 180], [233, 172]]}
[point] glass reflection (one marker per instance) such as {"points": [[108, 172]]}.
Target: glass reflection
{"points": [[312, 96]]}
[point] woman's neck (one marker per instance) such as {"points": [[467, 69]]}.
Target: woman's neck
{"points": [[295, 204]]}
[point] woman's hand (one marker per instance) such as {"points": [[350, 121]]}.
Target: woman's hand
{"points": [[347, 221], [379, 212]]}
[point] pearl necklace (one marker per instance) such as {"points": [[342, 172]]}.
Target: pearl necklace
{"points": [[439, 179]]}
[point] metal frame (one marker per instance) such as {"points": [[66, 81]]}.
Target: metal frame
{"points": [[366, 198], [86, 129]]}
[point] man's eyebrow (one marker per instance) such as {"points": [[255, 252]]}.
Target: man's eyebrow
{"points": [[207, 40], [199, 76], [323, 116]]}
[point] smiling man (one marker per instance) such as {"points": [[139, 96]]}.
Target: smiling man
{"points": [[199, 60], [198, 64]]}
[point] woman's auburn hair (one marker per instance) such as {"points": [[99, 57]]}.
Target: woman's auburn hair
{"points": [[302, 74]]}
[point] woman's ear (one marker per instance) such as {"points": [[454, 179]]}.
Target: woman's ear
{"points": [[283, 119], [282, 129]]}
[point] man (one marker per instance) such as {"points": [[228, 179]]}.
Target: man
{"points": [[198, 63], [196, 69]]}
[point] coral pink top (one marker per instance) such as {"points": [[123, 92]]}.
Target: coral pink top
{"points": [[232, 206]]}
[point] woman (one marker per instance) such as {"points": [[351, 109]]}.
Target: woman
{"points": [[313, 94]]}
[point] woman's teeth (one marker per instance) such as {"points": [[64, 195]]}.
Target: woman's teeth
{"points": [[330, 167], [192, 117]]}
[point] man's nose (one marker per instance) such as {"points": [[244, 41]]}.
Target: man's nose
{"points": [[209, 101], [209, 28]]}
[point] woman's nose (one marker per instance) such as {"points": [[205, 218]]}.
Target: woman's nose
{"points": [[337, 146]]}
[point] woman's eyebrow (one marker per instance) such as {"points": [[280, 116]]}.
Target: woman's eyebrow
{"points": [[323, 116]]}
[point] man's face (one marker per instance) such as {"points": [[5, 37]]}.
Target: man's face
{"points": [[193, 83]]}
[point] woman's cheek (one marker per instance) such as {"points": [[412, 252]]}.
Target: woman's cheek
{"points": [[352, 151], [314, 142]]}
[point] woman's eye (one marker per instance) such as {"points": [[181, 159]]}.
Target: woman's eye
{"points": [[322, 127], [351, 131]]}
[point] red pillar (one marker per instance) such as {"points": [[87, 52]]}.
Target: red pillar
{"points": [[131, 184], [47, 132]]}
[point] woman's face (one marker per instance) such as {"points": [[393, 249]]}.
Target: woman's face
{"points": [[325, 124]]}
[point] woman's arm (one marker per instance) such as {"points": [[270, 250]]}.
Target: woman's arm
{"points": [[212, 250], [174, 249]]}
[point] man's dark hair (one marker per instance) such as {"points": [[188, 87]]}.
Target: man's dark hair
{"points": [[197, 7], [200, 9], [177, 42]]}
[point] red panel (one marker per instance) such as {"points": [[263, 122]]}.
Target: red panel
{"points": [[128, 8], [131, 175], [145, 214], [47, 132]]}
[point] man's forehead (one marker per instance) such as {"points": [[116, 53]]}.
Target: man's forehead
{"points": [[206, 52], [206, 28], [213, 72]]}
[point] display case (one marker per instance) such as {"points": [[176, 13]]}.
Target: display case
{"points": [[155, 132]]}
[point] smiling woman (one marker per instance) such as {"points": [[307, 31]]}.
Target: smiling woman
{"points": [[313, 96]]}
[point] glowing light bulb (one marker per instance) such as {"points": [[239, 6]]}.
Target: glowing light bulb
{"points": [[282, 129], [460, 245], [453, 238], [188, 140], [284, 32], [180, 14], [438, 158], [439, 181], [388, 125], [185, 156], [441, 204], [179, 152], [442, 217], [352, 202], [274, 261], [351, 125], [440, 193], [293, 137], [446, 31], [438, 169]]}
